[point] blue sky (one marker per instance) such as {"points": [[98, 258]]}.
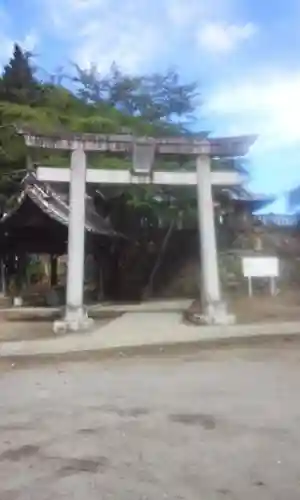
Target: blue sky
{"points": [[244, 53]]}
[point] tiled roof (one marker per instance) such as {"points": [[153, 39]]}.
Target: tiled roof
{"points": [[55, 205]]}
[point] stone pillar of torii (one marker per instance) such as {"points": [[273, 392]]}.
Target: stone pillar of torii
{"points": [[143, 152]]}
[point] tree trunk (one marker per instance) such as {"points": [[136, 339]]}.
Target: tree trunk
{"points": [[148, 291]]}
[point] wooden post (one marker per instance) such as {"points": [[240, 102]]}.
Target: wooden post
{"points": [[53, 270], [2, 277]]}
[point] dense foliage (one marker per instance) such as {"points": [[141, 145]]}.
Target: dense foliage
{"points": [[151, 104], [145, 105], [154, 104]]}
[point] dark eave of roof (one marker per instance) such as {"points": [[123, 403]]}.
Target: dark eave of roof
{"points": [[56, 207], [241, 196]]}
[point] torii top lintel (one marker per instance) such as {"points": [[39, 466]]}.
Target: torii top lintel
{"points": [[123, 143]]}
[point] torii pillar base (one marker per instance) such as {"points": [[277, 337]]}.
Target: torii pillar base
{"points": [[216, 313], [74, 321]]}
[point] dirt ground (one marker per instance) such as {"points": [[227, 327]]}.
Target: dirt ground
{"points": [[262, 307], [265, 308], [212, 424]]}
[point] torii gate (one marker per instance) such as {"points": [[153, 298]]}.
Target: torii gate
{"points": [[143, 151]]}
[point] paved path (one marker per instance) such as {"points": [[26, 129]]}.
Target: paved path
{"points": [[140, 330], [217, 425]]}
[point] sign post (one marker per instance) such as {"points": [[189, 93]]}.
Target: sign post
{"points": [[261, 267]]}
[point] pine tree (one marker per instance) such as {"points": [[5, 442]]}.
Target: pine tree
{"points": [[18, 84]]}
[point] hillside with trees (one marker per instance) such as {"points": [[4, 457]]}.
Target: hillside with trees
{"points": [[88, 102], [152, 104]]}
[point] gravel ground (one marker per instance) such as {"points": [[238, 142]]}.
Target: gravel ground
{"points": [[212, 424]]}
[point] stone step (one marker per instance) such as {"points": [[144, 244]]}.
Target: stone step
{"points": [[4, 301]]}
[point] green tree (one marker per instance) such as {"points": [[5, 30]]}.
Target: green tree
{"points": [[156, 97], [18, 84], [155, 104]]}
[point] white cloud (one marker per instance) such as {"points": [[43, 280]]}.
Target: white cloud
{"points": [[212, 25], [103, 31], [195, 12], [84, 4], [270, 108], [6, 45], [29, 42], [223, 38], [134, 33], [73, 13], [180, 15], [129, 44]]}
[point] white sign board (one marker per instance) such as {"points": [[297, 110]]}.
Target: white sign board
{"points": [[260, 267]]}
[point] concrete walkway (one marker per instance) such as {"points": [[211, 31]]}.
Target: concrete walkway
{"points": [[140, 330]]}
